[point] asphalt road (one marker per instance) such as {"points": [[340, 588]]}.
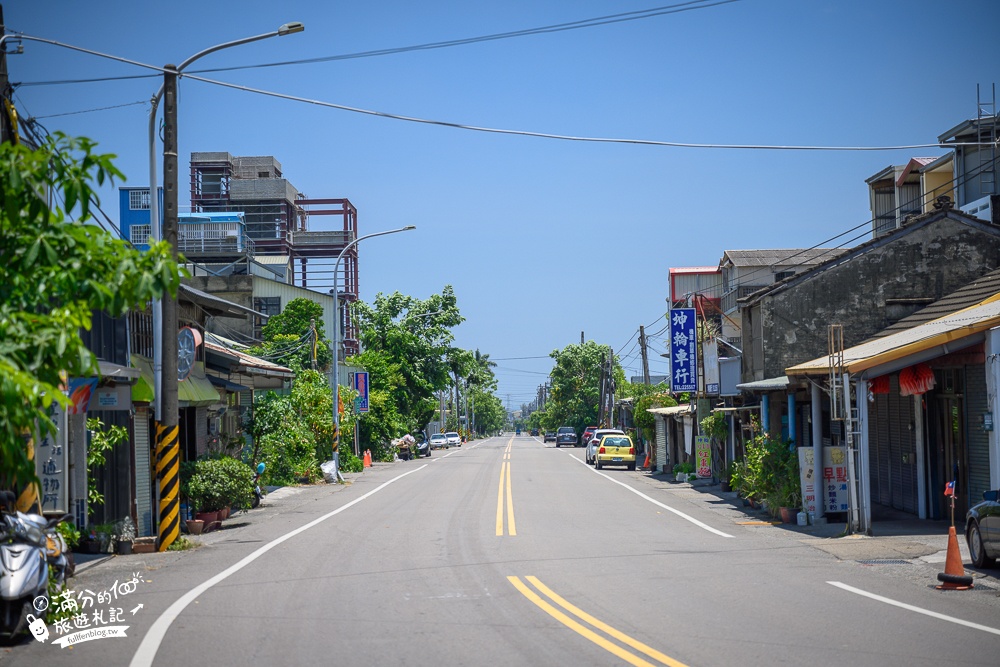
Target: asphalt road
{"points": [[509, 551]]}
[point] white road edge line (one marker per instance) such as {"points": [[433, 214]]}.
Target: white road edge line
{"points": [[919, 610], [655, 502], [146, 652]]}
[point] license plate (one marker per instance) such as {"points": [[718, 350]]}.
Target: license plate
{"points": [[616, 458]]}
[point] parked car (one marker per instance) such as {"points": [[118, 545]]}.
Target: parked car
{"points": [[439, 440], [565, 435], [982, 530], [454, 439], [615, 450], [423, 444], [595, 438], [550, 436], [588, 433]]}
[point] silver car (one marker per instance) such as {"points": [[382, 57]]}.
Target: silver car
{"points": [[591, 452], [454, 439]]}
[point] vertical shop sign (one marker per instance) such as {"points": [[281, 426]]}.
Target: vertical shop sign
{"points": [[826, 484], [50, 464], [361, 386], [703, 456], [683, 351]]}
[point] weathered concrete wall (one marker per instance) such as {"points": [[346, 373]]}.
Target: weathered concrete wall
{"points": [[236, 289], [789, 325]]}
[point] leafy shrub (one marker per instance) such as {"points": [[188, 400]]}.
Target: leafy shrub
{"points": [[220, 483], [769, 472]]}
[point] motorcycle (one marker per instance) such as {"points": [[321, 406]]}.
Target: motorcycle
{"points": [[30, 547], [258, 495]]}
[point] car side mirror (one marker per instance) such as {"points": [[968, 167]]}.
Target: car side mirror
{"points": [[990, 495]]}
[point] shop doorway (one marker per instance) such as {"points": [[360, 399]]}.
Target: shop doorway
{"points": [[949, 456]]}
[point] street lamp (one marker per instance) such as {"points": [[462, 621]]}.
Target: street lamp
{"points": [[154, 202], [336, 340]]}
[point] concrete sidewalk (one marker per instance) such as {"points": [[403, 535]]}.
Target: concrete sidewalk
{"points": [[897, 538]]}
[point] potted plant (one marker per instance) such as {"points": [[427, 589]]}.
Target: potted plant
{"points": [[727, 477], [124, 536], [682, 471]]}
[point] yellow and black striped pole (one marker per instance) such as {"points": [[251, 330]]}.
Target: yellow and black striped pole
{"points": [[168, 470]]}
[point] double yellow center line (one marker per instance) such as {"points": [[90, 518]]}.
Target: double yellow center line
{"points": [[505, 484], [584, 631]]}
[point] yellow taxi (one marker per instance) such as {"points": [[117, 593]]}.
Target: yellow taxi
{"points": [[615, 449]]}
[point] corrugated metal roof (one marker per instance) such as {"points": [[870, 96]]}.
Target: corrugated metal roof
{"points": [[784, 257], [253, 365], [693, 269], [975, 292], [944, 330]]}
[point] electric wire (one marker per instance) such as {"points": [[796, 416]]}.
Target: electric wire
{"points": [[559, 27], [955, 182], [74, 113], [550, 135]]}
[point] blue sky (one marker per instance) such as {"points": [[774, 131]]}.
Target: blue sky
{"points": [[541, 238]]}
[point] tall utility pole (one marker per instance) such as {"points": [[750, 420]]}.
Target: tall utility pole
{"points": [[645, 358], [7, 131], [167, 442]]}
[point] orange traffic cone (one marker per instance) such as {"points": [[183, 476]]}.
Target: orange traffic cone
{"points": [[368, 458], [645, 464], [953, 578]]}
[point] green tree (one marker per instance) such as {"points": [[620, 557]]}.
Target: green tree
{"points": [[406, 342], [576, 386], [55, 271], [288, 338]]}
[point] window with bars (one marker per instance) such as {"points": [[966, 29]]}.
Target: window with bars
{"points": [[138, 200], [267, 305], [139, 234]]}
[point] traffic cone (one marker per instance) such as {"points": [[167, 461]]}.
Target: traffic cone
{"points": [[953, 578], [368, 458], [645, 464]]}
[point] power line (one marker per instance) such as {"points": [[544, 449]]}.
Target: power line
{"points": [[559, 27], [74, 113], [549, 135]]}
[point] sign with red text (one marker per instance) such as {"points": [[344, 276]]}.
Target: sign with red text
{"points": [[703, 456]]}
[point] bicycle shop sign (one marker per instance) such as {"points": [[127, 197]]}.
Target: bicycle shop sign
{"points": [[683, 350]]}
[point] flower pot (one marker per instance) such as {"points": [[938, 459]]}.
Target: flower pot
{"points": [[788, 514], [223, 514], [195, 526], [725, 487], [123, 548], [207, 517], [89, 547]]}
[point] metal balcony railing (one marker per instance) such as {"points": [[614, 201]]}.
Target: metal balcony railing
{"points": [[194, 238], [730, 297]]}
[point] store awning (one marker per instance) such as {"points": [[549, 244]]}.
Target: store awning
{"points": [[144, 390], [770, 384], [226, 384], [116, 372], [927, 341], [195, 391], [672, 411]]}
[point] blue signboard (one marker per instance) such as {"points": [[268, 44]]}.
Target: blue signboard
{"points": [[683, 350], [361, 386]]}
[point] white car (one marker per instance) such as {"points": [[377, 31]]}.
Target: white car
{"points": [[439, 440], [591, 453], [454, 439]]}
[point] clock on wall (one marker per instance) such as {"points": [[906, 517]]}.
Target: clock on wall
{"points": [[188, 340]]}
